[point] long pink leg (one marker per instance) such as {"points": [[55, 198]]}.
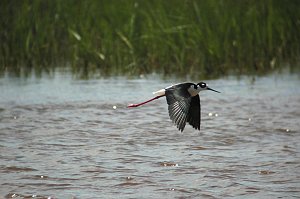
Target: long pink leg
{"points": [[136, 105]]}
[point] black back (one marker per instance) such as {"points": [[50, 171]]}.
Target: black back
{"points": [[182, 106]]}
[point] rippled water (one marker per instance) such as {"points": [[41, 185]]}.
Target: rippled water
{"points": [[62, 138]]}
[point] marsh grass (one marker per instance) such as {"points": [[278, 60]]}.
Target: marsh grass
{"points": [[213, 37]]}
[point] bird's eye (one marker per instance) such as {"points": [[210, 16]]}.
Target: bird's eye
{"points": [[202, 85]]}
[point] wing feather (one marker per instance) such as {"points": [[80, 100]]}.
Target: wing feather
{"points": [[182, 106], [178, 107], [194, 115]]}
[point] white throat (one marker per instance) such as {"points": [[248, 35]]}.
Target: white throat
{"points": [[193, 92]]}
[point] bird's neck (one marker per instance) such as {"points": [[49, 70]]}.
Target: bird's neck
{"points": [[193, 92]]}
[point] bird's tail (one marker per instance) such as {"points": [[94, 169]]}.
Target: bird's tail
{"points": [[160, 92]]}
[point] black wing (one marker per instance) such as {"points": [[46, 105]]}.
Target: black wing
{"points": [[179, 101], [194, 115]]}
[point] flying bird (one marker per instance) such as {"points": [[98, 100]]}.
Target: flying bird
{"points": [[183, 103]]}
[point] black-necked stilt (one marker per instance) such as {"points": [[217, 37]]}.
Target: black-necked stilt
{"points": [[183, 103]]}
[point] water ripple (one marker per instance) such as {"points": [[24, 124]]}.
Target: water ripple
{"points": [[247, 148]]}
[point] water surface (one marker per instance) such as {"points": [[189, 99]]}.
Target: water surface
{"points": [[63, 138]]}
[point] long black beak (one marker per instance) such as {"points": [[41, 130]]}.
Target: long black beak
{"points": [[212, 90]]}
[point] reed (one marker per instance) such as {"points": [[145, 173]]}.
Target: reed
{"points": [[213, 37]]}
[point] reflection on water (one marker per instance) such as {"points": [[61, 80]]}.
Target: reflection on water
{"points": [[66, 138]]}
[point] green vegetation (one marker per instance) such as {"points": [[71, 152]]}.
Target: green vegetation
{"points": [[212, 37]]}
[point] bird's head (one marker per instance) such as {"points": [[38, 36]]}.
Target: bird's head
{"points": [[201, 86]]}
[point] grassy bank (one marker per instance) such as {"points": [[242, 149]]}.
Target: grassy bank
{"points": [[136, 36]]}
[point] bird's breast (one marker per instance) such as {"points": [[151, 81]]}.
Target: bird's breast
{"points": [[192, 91]]}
